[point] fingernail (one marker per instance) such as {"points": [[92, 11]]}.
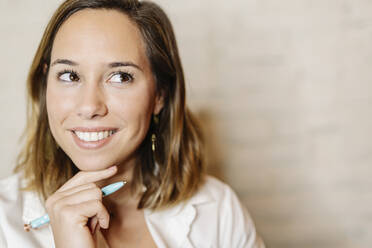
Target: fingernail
{"points": [[103, 223], [112, 168]]}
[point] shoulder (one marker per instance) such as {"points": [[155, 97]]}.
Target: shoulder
{"points": [[15, 200], [212, 217], [11, 196], [17, 207], [217, 188], [9, 188], [218, 205], [225, 201], [12, 179], [9, 205], [214, 191]]}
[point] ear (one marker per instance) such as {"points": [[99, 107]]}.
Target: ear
{"points": [[159, 103]]}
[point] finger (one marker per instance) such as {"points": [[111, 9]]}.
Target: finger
{"points": [[79, 214], [93, 208], [79, 197], [76, 189], [61, 194], [84, 177]]}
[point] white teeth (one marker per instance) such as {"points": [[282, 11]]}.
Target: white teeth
{"points": [[93, 136], [100, 135], [86, 137]]}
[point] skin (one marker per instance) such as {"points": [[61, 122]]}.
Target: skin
{"points": [[99, 95]]}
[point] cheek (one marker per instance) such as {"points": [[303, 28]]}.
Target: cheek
{"points": [[135, 108], [51, 104], [57, 106]]}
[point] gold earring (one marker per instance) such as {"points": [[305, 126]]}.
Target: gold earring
{"points": [[156, 119], [153, 140]]}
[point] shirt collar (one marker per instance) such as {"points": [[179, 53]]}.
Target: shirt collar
{"points": [[173, 225]]}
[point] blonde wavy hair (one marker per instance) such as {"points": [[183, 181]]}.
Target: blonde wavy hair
{"points": [[175, 171]]}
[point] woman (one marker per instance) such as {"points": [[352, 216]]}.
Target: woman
{"points": [[107, 97]]}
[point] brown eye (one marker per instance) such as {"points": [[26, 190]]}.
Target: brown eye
{"points": [[121, 77], [68, 76], [74, 77]]}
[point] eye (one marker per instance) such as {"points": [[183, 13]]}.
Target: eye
{"points": [[68, 76], [121, 77]]}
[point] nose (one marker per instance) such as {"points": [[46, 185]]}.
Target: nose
{"points": [[92, 102]]}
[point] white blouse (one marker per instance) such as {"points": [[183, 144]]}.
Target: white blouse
{"points": [[213, 217]]}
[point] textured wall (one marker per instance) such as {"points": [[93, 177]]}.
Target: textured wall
{"points": [[283, 90]]}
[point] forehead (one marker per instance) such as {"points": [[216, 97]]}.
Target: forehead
{"points": [[98, 35]]}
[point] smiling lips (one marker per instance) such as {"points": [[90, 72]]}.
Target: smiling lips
{"points": [[92, 138]]}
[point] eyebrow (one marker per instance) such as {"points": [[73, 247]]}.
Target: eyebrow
{"points": [[64, 62], [110, 65], [120, 64]]}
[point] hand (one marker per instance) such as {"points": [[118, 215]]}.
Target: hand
{"points": [[74, 204]]}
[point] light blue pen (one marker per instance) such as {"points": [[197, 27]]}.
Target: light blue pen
{"points": [[107, 190]]}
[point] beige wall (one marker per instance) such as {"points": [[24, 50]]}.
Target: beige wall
{"points": [[283, 89]]}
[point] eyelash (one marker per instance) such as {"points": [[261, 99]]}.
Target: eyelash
{"points": [[123, 73], [75, 74], [72, 72]]}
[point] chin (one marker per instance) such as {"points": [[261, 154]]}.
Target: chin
{"points": [[93, 163]]}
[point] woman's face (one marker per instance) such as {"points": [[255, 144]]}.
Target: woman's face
{"points": [[100, 92]]}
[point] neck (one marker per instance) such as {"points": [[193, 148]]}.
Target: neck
{"points": [[124, 197]]}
